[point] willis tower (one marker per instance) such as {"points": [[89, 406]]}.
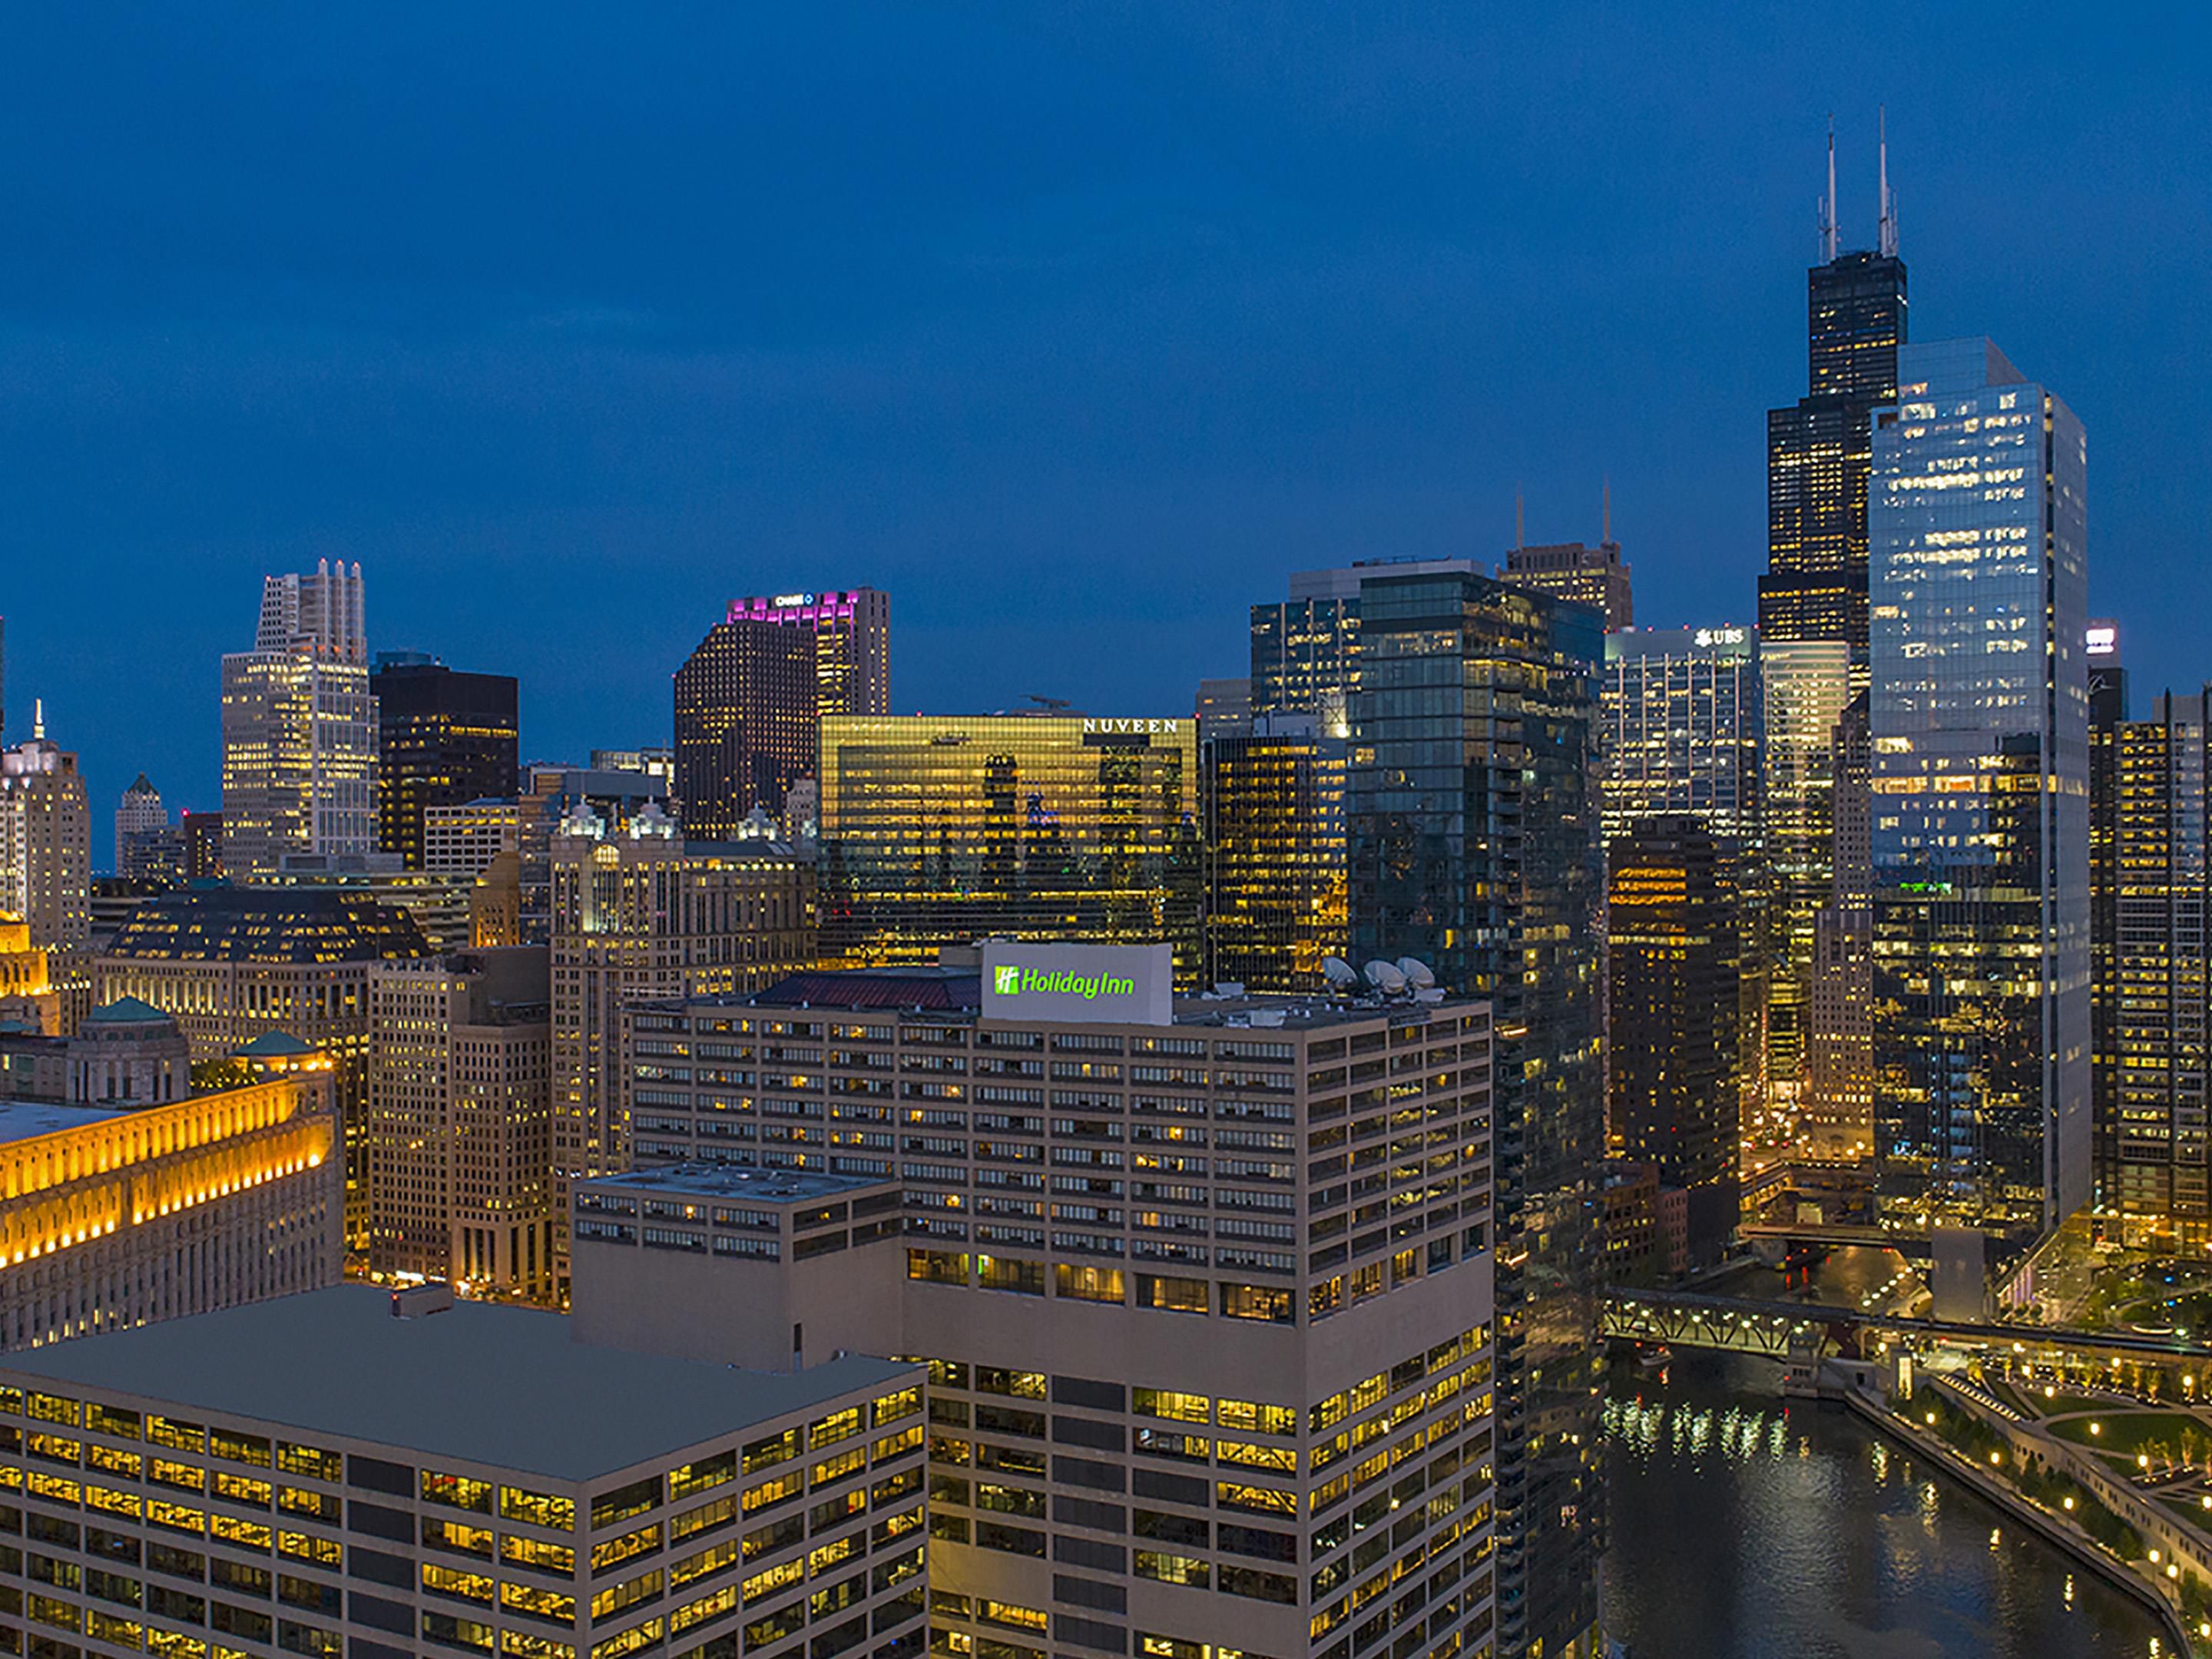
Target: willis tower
{"points": [[1819, 450]]}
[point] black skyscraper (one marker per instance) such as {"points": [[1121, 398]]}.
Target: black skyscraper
{"points": [[1819, 450], [444, 738]]}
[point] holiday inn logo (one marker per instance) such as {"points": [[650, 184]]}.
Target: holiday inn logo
{"points": [[1010, 979]]}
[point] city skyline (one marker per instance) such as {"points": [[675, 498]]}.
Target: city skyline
{"points": [[1169, 522]]}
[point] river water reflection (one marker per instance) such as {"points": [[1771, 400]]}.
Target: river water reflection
{"points": [[1748, 1527]]}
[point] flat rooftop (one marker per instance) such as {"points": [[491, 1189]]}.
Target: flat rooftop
{"points": [[724, 1181], [26, 1120], [490, 1384], [951, 996]]}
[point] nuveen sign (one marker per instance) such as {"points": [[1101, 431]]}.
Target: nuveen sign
{"points": [[1123, 984]]}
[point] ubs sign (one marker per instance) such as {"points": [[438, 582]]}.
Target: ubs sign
{"points": [[1085, 984]]}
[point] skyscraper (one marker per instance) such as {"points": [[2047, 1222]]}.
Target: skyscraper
{"points": [[639, 912], [443, 739], [1674, 956], [747, 723], [1980, 786], [1475, 847], [1303, 649], [1819, 450], [139, 813], [1275, 870], [940, 829], [1573, 570], [2154, 893], [203, 836], [1685, 723], [299, 726], [2108, 711], [1807, 684], [46, 848], [1835, 1104], [459, 1137], [852, 633]]}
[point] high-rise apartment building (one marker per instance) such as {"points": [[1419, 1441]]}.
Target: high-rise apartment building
{"points": [[1980, 788], [1675, 955], [443, 739], [1272, 812], [2154, 893], [1196, 1383], [45, 845], [852, 633], [1819, 451], [299, 726], [747, 720], [460, 1133], [1303, 650], [939, 829], [375, 1473], [2108, 711], [121, 1212], [234, 966], [1475, 847], [1685, 724], [640, 913]]}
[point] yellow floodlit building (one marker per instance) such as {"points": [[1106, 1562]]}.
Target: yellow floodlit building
{"points": [[112, 1217]]}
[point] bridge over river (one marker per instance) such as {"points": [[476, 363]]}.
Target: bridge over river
{"points": [[1696, 1319]]}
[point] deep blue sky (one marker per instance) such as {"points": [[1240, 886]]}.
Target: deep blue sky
{"points": [[1075, 328]]}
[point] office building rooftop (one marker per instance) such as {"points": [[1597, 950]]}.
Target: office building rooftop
{"points": [[490, 1384]]}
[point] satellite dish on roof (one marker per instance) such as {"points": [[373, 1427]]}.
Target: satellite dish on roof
{"points": [[1418, 974], [1384, 976], [1339, 972]]}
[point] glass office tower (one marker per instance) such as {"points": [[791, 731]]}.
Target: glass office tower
{"points": [[1685, 719], [944, 829], [1303, 649], [1274, 854], [1818, 453], [1979, 715], [1475, 847]]}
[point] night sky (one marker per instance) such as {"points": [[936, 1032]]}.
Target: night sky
{"points": [[1076, 328]]}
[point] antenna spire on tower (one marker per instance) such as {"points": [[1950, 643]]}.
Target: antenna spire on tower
{"points": [[1519, 541], [1828, 206], [1886, 239], [1605, 531]]}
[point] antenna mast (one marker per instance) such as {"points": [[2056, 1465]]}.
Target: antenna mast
{"points": [[1886, 237], [1828, 206]]}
